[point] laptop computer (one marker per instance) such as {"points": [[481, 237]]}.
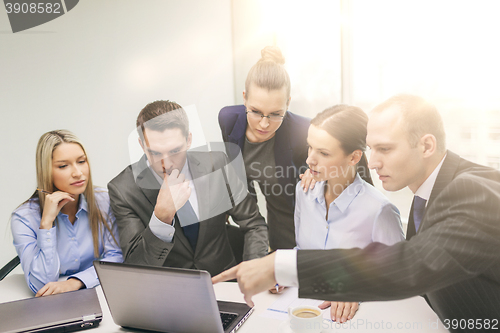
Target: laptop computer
{"points": [[66, 312], [165, 299]]}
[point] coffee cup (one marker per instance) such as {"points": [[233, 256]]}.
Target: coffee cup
{"points": [[305, 319]]}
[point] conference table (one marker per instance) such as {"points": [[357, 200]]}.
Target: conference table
{"points": [[408, 315]]}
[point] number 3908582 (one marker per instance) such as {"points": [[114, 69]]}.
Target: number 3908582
{"points": [[477, 324], [33, 8]]}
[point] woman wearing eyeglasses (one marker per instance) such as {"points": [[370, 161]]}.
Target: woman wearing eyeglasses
{"points": [[272, 141]]}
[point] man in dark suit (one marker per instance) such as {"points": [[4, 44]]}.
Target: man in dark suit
{"points": [[452, 255], [171, 206]]}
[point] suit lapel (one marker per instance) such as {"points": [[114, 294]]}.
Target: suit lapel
{"points": [[237, 135], [444, 177], [201, 181], [283, 154], [146, 181]]}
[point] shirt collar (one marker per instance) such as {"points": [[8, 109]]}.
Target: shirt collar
{"points": [[344, 199], [348, 194], [317, 193], [424, 191], [82, 205]]}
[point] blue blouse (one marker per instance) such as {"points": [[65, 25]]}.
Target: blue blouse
{"points": [[358, 216], [65, 249]]}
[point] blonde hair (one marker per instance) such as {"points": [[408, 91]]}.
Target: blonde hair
{"points": [[269, 72], [47, 143]]}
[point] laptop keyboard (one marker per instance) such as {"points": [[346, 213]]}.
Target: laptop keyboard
{"points": [[227, 319]]}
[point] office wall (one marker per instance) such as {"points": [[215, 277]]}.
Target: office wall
{"points": [[93, 69]]}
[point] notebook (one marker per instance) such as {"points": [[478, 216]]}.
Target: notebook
{"points": [[165, 299], [64, 312]]}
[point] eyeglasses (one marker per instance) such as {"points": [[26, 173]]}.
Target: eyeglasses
{"points": [[258, 116]]}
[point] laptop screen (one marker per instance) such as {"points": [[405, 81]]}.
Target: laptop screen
{"points": [[160, 298]]}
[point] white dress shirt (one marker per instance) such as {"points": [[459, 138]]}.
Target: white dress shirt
{"points": [[165, 231], [285, 262], [360, 215], [67, 248], [424, 191]]}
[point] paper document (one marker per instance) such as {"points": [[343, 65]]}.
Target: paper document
{"points": [[288, 299]]}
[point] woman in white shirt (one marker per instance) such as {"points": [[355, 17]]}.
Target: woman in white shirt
{"points": [[343, 210]]}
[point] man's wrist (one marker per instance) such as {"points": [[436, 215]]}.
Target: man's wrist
{"points": [[162, 230], [168, 219]]}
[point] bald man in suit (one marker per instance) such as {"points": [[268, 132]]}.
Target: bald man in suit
{"points": [[454, 229]]}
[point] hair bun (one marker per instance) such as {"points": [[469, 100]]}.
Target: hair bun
{"points": [[272, 53]]}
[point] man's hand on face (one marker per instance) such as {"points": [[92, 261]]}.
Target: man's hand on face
{"points": [[174, 193]]}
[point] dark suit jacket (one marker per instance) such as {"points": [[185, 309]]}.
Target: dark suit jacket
{"points": [[133, 196], [452, 166], [453, 259], [290, 148]]}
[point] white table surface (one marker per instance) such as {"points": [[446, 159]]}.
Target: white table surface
{"points": [[409, 315]]}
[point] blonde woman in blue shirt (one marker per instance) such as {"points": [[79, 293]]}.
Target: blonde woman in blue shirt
{"points": [[343, 210], [66, 224]]}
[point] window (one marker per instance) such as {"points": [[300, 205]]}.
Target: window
{"points": [[444, 51], [361, 52]]}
